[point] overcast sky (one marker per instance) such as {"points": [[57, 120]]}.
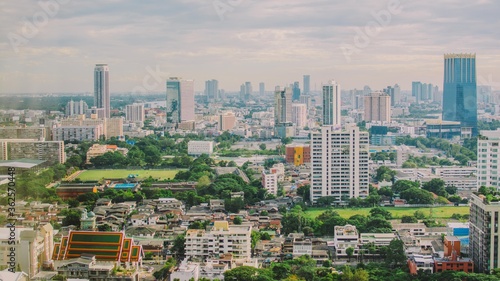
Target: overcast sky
{"points": [[233, 41]]}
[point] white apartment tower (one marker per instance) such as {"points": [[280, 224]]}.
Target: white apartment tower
{"points": [[331, 104], [299, 115], [378, 107], [135, 112], [488, 156], [339, 163], [101, 89]]}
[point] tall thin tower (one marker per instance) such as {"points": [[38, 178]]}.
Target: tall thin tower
{"points": [[101, 89], [331, 104]]}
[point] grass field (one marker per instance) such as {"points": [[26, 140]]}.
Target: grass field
{"points": [[95, 175], [438, 212]]}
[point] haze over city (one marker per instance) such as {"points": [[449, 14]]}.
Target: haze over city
{"points": [[275, 42]]}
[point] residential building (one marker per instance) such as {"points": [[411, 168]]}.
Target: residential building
{"points": [[339, 164], [270, 182], [248, 90], [180, 101], [227, 121], [219, 239], [78, 133], [76, 108], [345, 237], [459, 91], [101, 89], [488, 156], [134, 112], [114, 127], [50, 151], [37, 133], [331, 104], [200, 147], [302, 247], [452, 259], [299, 115], [282, 105], [377, 107], [99, 150], [484, 233], [298, 154]]}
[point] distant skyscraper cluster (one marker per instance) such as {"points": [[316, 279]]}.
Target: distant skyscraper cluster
{"points": [[395, 94], [423, 91], [460, 90], [101, 89], [246, 91]]}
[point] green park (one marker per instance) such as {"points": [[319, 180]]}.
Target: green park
{"points": [[95, 175]]}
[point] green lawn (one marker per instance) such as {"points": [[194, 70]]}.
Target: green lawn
{"points": [[95, 175], [438, 212]]}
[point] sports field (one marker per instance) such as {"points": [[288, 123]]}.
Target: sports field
{"points": [[437, 212], [95, 175]]}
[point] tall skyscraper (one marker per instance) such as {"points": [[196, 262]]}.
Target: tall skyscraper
{"points": [[296, 91], [395, 93], [248, 90], [339, 163], [459, 91], [283, 105], [307, 84], [416, 90], [212, 90], [377, 107], [180, 101], [262, 89], [101, 89], [227, 121], [331, 104]]}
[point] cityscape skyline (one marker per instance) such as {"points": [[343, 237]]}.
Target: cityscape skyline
{"points": [[407, 48]]}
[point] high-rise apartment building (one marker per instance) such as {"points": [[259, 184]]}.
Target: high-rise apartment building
{"points": [[227, 121], [76, 108], [307, 84], [377, 107], [282, 105], [339, 163], [331, 104], [101, 89], [212, 90], [180, 101], [248, 90], [50, 151], [395, 94], [134, 112], [488, 159], [484, 233], [299, 115], [459, 92]]}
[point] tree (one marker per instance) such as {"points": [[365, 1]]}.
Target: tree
{"points": [[409, 219], [396, 256], [242, 273], [385, 174], [178, 247], [286, 140], [72, 217], [262, 146], [152, 155], [436, 186], [350, 252], [402, 185], [237, 220], [104, 227], [305, 192], [379, 211], [281, 270], [73, 203], [417, 196]]}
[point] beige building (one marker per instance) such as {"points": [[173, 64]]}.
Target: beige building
{"points": [[50, 151], [221, 238], [377, 107], [227, 121], [111, 127], [37, 133], [99, 149]]}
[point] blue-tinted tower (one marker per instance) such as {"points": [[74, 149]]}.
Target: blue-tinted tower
{"points": [[459, 93]]}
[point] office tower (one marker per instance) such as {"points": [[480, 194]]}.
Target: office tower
{"points": [[339, 163], [212, 90], [283, 105], [366, 90], [484, 233], [299, 115], [459, 92], [227, 121], [248, 90], [394, 93], [307, 84], [331, 104], [76, 108], [262, 89], [101, 89], [377, 107], [296, 91], [305, 99], [416, 90], [180, 101], [134, 112], [242, 92]]}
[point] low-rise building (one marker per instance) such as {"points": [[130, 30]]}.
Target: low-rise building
{"points": [[200, 147], [345, 237], [270, 182]]}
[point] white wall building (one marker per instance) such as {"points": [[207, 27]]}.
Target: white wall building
{"points": [[78, 133], [270, 182], [134, 112], [299, 115], [345, 237], [488, 152], [339, 163], [200, 147], [331, 104]]}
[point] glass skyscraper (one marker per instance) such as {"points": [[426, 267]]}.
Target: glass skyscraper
{"points": [[180, 101], [459, 93], [331, 104], [101, 88]]}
